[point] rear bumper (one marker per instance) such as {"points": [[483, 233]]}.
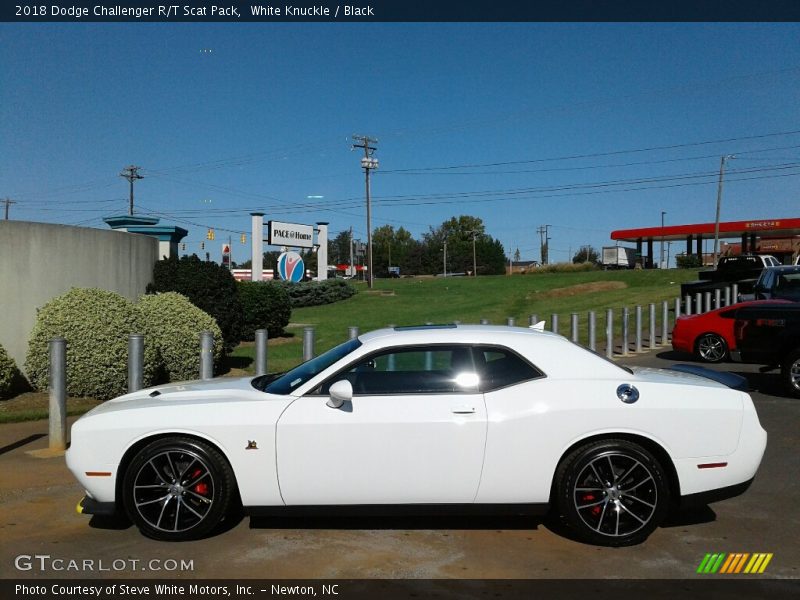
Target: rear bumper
{"points": [[703, 498]]}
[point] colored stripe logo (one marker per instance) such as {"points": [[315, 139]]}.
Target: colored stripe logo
{"points": [[734, 563]]}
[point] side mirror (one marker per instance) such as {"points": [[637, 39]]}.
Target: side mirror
{"points": [[340, 392]]}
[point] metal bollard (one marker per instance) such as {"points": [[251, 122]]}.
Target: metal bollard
{"points": [[625, 341], [735, 293], [135, 362], [664, 322], [728, 296], [261, 351], [57, 385], [484, 321], [352, 333], [707, 302], [573, 327], [533, 320], [688, 301], [206, 355], [592, 330], [698, 303], [638, 328], [717, 298], [308, 343], [509, 321], [677, 309], [609, 332], [652, 328]]}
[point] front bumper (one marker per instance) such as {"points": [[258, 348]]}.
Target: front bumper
{"points": [[90, 506]]}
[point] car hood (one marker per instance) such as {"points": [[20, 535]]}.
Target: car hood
{"points": [[220, 390]]}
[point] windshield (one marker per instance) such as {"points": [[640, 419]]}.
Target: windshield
{"points": [[291, 380]]}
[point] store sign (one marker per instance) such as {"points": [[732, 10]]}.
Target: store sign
{"points": [[290, 234], [763, 224], [291, 267]]}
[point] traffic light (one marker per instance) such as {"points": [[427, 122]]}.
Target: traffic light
{"points": [[202, 245], [244, 238], [210, 234], [183, 247]]}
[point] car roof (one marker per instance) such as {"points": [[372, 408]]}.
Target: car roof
{"points": [[454, 333]]}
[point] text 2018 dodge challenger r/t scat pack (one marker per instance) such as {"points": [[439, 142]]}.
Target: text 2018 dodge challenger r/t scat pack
{"points": [[463, 418]]}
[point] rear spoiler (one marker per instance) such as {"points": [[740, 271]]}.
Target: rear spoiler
{"points": [[733, 381]]}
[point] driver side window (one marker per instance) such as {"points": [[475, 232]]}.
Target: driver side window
{"points": [[411, 370]]}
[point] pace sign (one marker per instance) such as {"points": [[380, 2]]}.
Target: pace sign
{"points": [[290, 234]]}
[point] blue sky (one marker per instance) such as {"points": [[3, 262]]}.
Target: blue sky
{"points": [[229, 118]]}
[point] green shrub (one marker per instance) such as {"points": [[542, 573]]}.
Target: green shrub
{"points": [[9, 374], [96, 324], [314, 293], [563, 268], [172, 326], [266, 305], [688, 261], [207, 285]]}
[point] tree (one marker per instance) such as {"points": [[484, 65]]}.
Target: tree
{"points": [[516, 255], [460, 233], [586, 253]]}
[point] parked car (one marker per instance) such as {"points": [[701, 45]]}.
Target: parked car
{"points": [[742, 269], [769, 334], [778, 283], [709, 336], [465, 418]]}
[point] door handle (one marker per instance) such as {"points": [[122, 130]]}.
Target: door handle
{"points": [[463, 409]]}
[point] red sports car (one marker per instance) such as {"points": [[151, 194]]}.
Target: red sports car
{"points": [[709, 336]]}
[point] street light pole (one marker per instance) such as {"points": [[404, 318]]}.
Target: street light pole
{"points": [[661, 259], [719, 202]]}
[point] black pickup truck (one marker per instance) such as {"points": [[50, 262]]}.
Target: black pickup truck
{"points": [[742, 270], [769, 334]]}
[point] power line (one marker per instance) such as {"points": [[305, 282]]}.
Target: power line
{"points": [[595, 154]]}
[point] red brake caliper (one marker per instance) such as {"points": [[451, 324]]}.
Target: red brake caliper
{"points": [[202, 487], [595, 510]]}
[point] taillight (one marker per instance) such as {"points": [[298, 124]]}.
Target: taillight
{"points": [[738, 329]]}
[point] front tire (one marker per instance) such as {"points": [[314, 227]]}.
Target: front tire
{"points": [[178, 488], [611, 493], [790, 373], [711, 348]]}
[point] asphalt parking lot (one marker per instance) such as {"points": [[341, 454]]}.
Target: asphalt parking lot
{"points": [[38, 518]]}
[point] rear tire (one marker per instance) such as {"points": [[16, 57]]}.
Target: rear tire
{"points": [[177, 489], [790, 373], [611, 493], [711, 348]]}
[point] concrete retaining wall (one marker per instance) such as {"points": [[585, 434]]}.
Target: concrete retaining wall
{"points": [[39, 261]]}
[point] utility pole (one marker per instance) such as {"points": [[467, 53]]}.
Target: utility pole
{"points": [[542, 252], [474, 261], [368, 163], [719, 201], [8, 202], [351, 271], [131, 173], [661, 259]]}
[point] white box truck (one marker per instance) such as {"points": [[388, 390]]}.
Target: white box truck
{"points": [[619, 257]]}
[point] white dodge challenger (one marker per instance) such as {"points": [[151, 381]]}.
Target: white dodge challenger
{"points": [[457, 418]]}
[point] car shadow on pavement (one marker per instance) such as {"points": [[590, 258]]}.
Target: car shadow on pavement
{"points": [[695, 515], [399, 522], [768, 383]]}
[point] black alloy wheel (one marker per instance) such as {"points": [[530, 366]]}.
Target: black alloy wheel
{"points": [[611, 493], [177, 489]]}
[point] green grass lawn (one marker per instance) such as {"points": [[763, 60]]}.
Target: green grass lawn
{"points": [[443, 300]]}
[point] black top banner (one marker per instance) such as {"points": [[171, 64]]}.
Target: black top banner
{"points": [[199, 11]]}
